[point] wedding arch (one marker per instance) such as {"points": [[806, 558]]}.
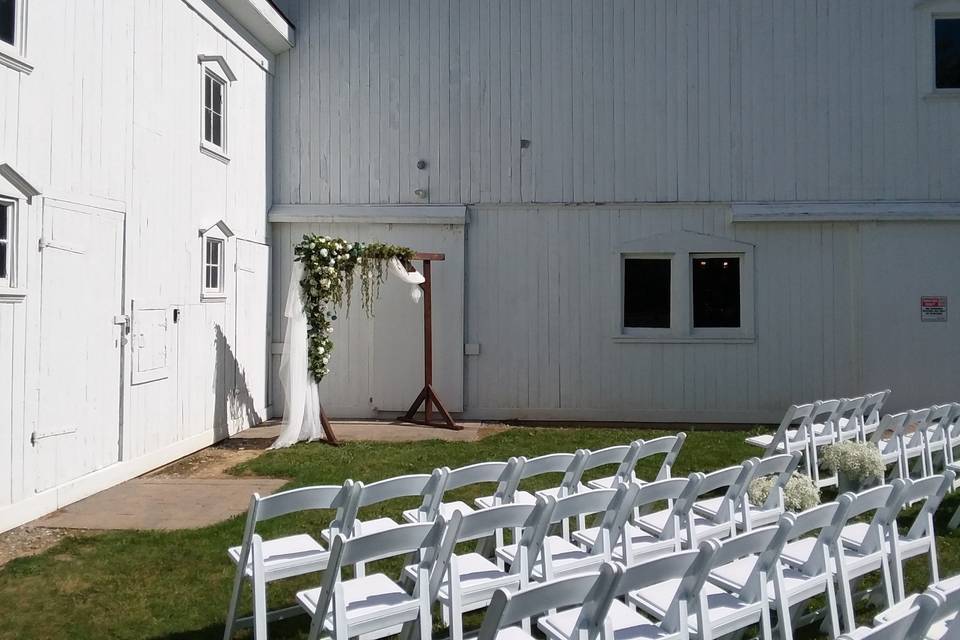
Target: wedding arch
{"points": [[321, 283]]}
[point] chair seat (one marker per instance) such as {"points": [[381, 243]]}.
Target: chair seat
{"points": [[763, 441], [446, 509], [367, 599], [565, 556], [796, 553], [479, 578], [656, 522], [627, 624], [513, 633], [287, 556], [758, 517], [555, 492], [722, 605], [643, 545], [854, 534]]}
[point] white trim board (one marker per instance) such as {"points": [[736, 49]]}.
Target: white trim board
{"points": [[370, 214], [899, 211], [23, 511], [618, 415]]}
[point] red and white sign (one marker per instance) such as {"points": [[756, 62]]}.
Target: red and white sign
{"points": [[933, 309]]}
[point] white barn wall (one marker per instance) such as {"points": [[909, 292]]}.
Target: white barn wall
{"points": [[622, 100], [108, 121]]}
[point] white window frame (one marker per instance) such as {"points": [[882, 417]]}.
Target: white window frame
{"points": [[649, 332], [217, 68], [9, 279], [682, 247], [220, 243], [928, 12], [15, 55], [221, 233]]}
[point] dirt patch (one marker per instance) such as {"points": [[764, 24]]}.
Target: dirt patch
{"points": [[30, 540], [210, 463]]}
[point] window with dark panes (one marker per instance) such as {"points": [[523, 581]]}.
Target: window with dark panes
{"points": [[646, 293], [947, 52], [213, 266], [5, 221], [8, 21], [716, 292], [213, 90]]}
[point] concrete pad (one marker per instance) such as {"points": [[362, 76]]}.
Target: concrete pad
{"points": [[381, 431], [155, 503]]}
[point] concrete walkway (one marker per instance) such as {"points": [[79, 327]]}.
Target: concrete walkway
{"points": [[196, 492]]}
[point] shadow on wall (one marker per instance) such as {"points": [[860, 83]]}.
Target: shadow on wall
{"points": [[233, 405]]}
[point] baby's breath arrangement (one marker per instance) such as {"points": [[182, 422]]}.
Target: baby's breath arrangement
{"points": [[799, 494], [860, 462], [329, 265]]}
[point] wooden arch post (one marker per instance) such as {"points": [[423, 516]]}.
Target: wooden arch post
{"points": [[428, 397]]}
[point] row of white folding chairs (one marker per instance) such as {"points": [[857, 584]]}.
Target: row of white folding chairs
{"points": [[932, 615], [293, 555], [726, 584], [919, 441]]}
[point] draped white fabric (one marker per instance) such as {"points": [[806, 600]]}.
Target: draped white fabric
{"points": [[301, 393]]}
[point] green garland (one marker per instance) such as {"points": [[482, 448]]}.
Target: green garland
{"points": [[328, 276]]}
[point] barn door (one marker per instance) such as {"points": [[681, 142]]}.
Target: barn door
{"points": [[78, 427], [252, 334]]}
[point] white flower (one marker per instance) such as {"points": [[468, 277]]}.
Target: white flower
{"points": [[332, 262], [323, 253], [324, 282], [321, 350], [326, 359], [329, 329]]}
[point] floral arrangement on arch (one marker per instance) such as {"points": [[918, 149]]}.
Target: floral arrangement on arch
{"points": [[329, 268], [800, 493]]}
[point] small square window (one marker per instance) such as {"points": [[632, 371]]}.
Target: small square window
{"points": [[716, 292], [646, 293], [947, 52], [8, 21], [5, 222], [213, 266], [213, 109]]}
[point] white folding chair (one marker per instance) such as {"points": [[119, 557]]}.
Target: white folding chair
{"points": [[427, 487], [751, 555], [920, 538], [863, 547], [375, 606], [887, 437], [557, 555], [569, 464], [696, 526], [681, 576], [470, 579], [792, 435], [822, 431], [634, 544], [870, 413], [585, 590], [952, 432], [502, 473], [913, 441], [943, 623], [782, 466], [667, 446], [625, 456], [848, 419], [903, 625], [265, 561], [937, 436]]}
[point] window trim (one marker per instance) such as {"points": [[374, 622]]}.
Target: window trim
{"points": [[14, 55], [221, 233], [934, 89], [682, 246], [219, 290], [646, 332], [9, 279], [219, 70]]}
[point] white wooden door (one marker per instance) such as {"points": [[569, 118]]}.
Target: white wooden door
{"points": [[252, 334], [78, 428]]}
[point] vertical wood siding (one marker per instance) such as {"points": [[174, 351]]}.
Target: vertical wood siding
{"points": [[622, 100], [542, 305]]}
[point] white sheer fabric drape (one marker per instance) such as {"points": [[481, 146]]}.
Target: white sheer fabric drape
{"points": [[301, 395]]}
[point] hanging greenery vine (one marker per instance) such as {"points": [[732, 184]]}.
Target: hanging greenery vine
{"points": [[329, 265]]}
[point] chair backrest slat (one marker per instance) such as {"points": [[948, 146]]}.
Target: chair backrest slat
{"points": [[667, 446]]}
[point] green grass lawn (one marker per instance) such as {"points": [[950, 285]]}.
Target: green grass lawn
{"points": [[176, 584]]}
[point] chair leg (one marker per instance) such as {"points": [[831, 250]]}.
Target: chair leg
{"points": [[846, 598], [232, 607], [784, 620], [896, 570], [934, 565], [954, 520], [259, 609]]}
